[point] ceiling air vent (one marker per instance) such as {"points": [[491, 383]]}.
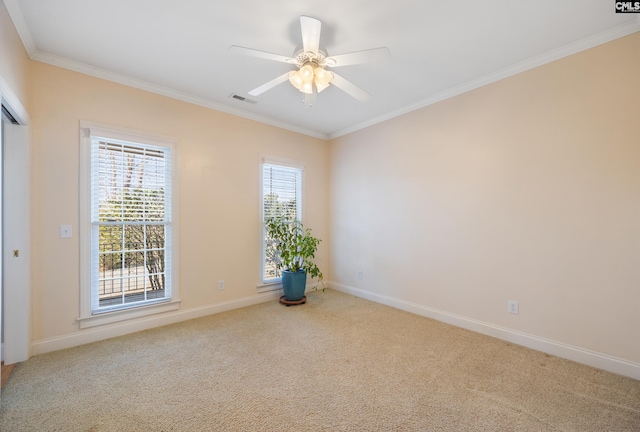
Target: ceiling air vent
{"points": [[242, 98]]}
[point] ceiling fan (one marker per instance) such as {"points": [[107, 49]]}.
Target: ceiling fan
{"points": [[311, 61]]}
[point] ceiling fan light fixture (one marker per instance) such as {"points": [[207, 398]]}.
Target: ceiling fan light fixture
{"points": [[322, 78], [295, 79], [306, 73], [321, 87], [310, 77], [303, 79]]}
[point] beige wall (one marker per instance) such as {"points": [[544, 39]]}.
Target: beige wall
{"points": [[218, 189], [13, 57], [526, 189]]}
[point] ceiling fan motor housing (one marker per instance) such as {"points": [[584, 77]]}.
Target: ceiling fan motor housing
{"points": [[311, 60], [318, 59]]}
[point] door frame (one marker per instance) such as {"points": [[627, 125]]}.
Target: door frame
{"points": [[17, 322]]}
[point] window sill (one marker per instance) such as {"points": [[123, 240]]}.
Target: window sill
{"points": [[125, 314], [270, 286]]}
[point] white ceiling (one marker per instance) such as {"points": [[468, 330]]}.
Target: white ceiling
{"points": [[438, 49]]}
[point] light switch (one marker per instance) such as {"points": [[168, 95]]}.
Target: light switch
{"points": [[65, 231]]}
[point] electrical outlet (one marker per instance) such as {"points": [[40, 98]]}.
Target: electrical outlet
{"points": [[513, 307], [220, 284], [359, 274]]}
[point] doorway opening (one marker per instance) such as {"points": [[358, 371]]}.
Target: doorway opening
{"points": [[14, 245]]}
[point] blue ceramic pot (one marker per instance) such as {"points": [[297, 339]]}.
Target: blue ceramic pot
{"points": [[294, 284]]}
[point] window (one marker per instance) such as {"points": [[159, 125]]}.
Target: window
{"points": [[128, 213], [281, 197]]}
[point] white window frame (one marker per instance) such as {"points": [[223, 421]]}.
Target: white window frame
{"points": [[275, 283], [87, 317]]}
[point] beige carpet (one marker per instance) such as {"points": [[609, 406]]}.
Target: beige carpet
{"points": [[338, 363]]}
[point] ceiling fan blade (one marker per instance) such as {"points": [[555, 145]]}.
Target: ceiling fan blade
{"points": [[310, 34], [269, 85], [375, 55], [260, 54], [349, 88]]}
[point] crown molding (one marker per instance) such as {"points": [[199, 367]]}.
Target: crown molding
{"points": [[548, 57], [165, 91], [592, 41], [35, 54], [21, 25]]}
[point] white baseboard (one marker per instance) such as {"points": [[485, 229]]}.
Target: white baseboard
{"points": [[577, 354], [125, 327], [559, 349]]}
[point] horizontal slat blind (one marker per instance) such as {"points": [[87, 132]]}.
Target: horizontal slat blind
{"points": [[281, 198], [129, 183], [281, 192], [131, 217]]}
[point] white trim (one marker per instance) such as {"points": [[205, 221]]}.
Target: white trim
{"points": [[279, 160], [589, 42], [166, 91], [21, 25], [271, 286], [126, 314], [106, 332], [13, 104], [548, 57], [263, 159], [86, 130], [559, 349], [17, 321], [126, 134], [84, 221]]}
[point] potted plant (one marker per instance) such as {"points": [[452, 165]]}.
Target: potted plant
{"points": [[294, 248]]}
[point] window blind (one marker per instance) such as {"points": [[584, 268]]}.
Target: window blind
{"points": [[281, 198], [282, 192], [131, 224]]}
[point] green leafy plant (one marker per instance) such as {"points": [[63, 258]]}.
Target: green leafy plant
{"points": [[294, 247]]}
